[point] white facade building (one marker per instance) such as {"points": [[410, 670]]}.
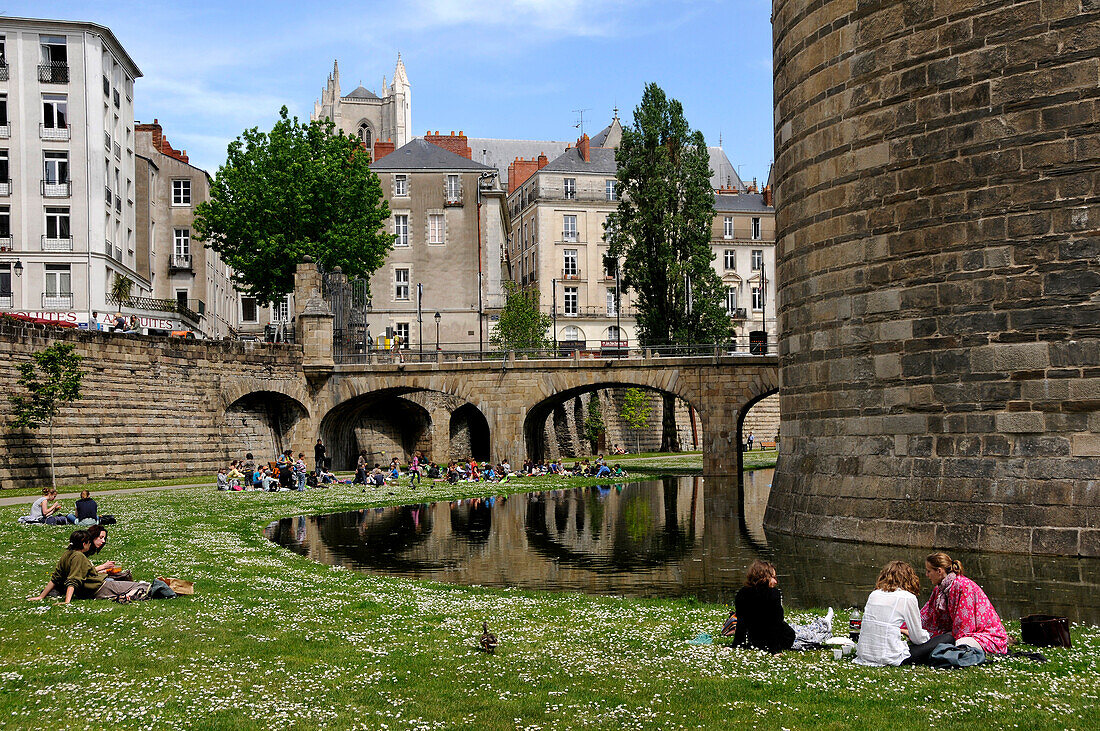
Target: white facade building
{"points": [[67, 191]]}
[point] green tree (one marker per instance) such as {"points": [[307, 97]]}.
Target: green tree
{"points": [[121, 286], [593, 423], [662, 226], [298, 190], [521, 326], [50, 380], [635, 411]]}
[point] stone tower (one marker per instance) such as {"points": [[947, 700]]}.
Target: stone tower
{"points": [[937, 172], [363, 113]]}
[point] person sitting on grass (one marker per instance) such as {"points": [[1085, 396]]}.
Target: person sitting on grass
{"points": [[223, 480], [618, 471], [603, 471], [326, 477], [760, 623], [76, 573], [87, 512], [959, 606], [235, 475], [891, 612], [377, 478], [44, 511]]}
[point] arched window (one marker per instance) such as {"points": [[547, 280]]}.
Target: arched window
{"points": [[572, 333], [364, 134], [613, 333]]}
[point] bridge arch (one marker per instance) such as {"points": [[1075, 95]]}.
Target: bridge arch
{"points": [[263, 422], [564, 412], [399, 420]]}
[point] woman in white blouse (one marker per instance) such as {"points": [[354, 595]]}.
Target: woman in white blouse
{"points": [[892, 613]]}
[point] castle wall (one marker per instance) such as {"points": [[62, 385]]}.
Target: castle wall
{"points": [[936, 176]]}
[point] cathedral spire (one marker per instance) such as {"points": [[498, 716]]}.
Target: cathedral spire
{"points": [[399, 76]]}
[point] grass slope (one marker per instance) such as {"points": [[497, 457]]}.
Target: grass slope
{"points": [[273, 640]]}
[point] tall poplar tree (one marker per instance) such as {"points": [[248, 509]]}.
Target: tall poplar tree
{"points": [[300, 189], [662, 226]]}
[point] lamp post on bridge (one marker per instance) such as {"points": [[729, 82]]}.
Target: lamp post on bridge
{"points": [[438, 317]]}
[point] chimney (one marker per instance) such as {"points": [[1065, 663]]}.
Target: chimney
{"points": [[381, 149], [768, 196], [458, 144], [160, 142], [582, 147]]}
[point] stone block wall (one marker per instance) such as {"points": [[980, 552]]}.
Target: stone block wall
{"points": [[151, 407], [937, 177]]}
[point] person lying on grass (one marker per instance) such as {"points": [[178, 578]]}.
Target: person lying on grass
{"points": [[76, 573]]}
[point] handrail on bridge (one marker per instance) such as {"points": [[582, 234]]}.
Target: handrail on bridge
{"points": [[604, 350]]}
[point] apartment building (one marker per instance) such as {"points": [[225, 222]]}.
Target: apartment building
{"points": [[556, 247], [67, 161], [187, 279], [448, 217], [743, 242]]}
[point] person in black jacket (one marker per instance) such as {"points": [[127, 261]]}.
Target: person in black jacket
{"points": [[759, 607]]}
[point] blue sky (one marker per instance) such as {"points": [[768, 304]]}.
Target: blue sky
{"points": [[492, 68]]}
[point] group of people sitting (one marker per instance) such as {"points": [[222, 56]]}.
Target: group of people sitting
{"points": [[76, 577], [287, 473], [47, 510], [958, 617]]}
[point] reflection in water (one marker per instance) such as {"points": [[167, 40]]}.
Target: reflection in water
{"points": [[678, 536]]}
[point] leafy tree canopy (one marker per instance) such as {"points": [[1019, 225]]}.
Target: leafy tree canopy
{"points": [[521, 326], [298, 190], [662, 226]]}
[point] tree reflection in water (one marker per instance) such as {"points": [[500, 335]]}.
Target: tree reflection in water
{"points": [[678, 536]]}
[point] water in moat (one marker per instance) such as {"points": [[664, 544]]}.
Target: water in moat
{"points": [[668, 537]]}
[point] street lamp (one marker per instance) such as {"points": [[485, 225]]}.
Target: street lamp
{"points": [[18, 268], [438, 317]]}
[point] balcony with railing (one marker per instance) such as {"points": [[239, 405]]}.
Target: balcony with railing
{"points": [[191, 310], [179, 263], [57, 300], [571, 274], [56, 188], [738, 313], [5, 130], [6, 243], [5, 187], [6, 300], [60, 133], [53, 72], [452, 194], [57, 243], [4, 72], [597, 312]]}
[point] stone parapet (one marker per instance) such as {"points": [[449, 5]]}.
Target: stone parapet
{"points": [[938, 265]]}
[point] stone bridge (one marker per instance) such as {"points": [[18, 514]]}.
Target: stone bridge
{"points": [[502, 405]]}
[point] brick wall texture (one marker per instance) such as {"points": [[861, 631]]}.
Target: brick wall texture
{"points": [[937, 179], [151, 407]]}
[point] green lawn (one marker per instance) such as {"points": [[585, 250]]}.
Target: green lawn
{"points": [[273, 640]]}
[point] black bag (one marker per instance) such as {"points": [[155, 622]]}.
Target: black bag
{"points": [[107, 520], [1045, 630]]}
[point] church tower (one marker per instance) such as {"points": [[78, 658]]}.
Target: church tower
{"points": [[401, 100]]}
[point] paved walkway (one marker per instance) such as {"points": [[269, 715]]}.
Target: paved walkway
{"points": [[98, 494]]}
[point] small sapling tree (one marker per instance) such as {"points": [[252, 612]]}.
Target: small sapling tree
{"points": [[49, 381], [593, 423], [635, 412]]}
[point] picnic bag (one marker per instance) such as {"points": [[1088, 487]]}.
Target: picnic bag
{"points": [[729, 627], [180, 586], [1045, 630]]}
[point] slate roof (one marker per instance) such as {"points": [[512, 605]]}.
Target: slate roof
{"points": [[600, 137], [501, 153], [724, 173], [744, 203], [361, 92], [421, 155], [570, 161]]}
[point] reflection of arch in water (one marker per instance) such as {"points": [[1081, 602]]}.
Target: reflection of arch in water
{"points": [[377, 538], [637, 533], [261, 422], [566, 414], [469, 433]]}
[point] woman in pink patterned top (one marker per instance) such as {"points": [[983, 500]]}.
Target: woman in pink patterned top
{"points": [[959, 606]]}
